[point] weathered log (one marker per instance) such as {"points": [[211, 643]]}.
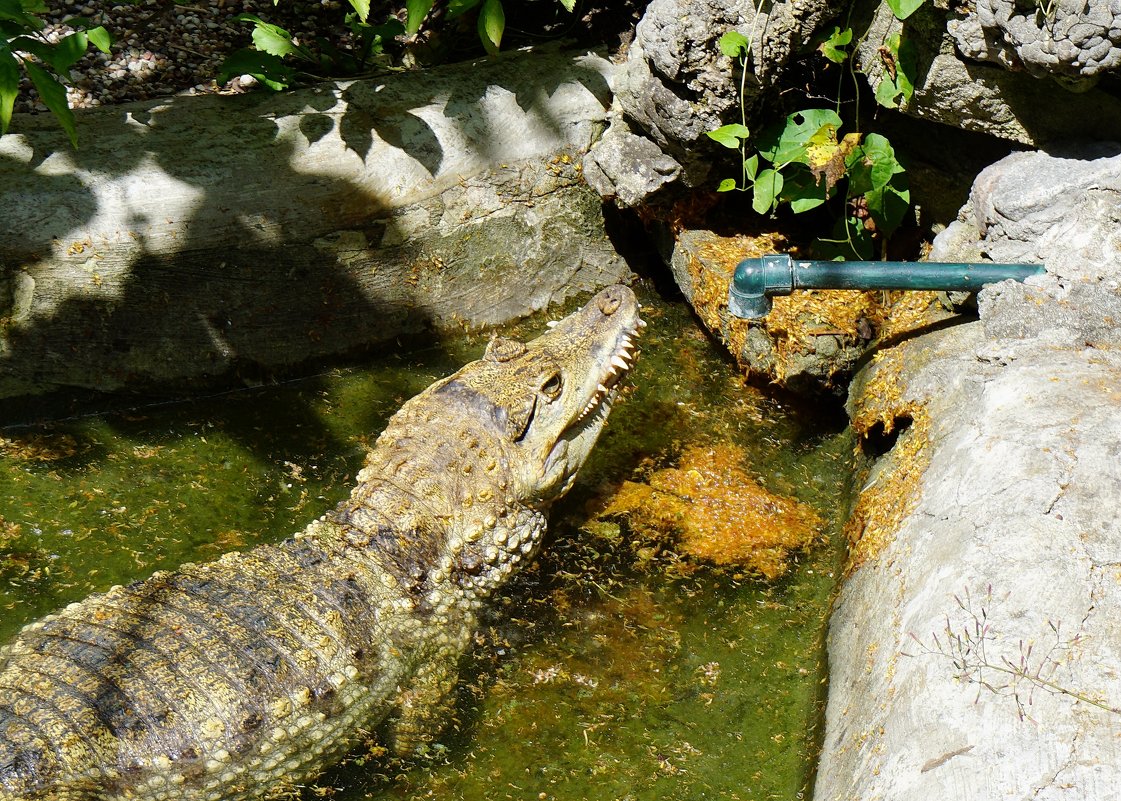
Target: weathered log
{"points": [[197, 236]]}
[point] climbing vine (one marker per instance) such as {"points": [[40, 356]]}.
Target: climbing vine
{"points": [[805, 159]]}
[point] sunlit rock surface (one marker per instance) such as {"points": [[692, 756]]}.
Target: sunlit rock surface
{"points": [[199, 238], [974, 648]]}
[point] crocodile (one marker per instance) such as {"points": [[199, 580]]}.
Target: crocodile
{"points": [[249, 675]]}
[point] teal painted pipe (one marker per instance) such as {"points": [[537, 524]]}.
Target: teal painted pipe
{"points": [[756, 281]]}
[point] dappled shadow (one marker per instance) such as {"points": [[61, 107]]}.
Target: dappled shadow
{"points": [[217, 285], [242, 270]]}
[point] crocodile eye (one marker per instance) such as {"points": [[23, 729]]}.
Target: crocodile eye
{"points": [[551, 389]]}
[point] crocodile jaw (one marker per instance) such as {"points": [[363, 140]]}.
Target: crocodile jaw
{"points": [[594, 349]]}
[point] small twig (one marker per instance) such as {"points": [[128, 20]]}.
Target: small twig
{"points": [[174, 46], [968, 652]]}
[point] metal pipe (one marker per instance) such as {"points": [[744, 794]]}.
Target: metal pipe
{"points": [[756, 281]]}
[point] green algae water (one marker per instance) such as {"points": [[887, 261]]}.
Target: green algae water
{"points": [[613, 668]]}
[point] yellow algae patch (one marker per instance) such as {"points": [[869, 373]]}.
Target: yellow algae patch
{"points": [[885, 503], [712, 267], [880, 397], [715, 511], [886, 500]]}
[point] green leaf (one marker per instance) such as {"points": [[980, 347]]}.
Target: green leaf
{"points": [[266, 68], [9, 87], [68, 50], [733, 44], [457, 7], [831, 47], [273, 39], [53, 95], [362, 7], [492, 22], [751, 166], [569, 5], [34, 6], [900, 63], [789, 140], [888, 206], [417, 11], [904, 8], [880, 155], [801, 204], [727, 185], [100, 38], [13, 10], [768, 186], [729, 135], [802, 190]]}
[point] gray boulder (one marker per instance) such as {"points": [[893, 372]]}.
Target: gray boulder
{"points": [[975, 647], [208, 238], [1072, 41], [989, 70], [675, 85]]}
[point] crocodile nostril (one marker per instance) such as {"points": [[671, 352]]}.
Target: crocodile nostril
{"points": [[609, 302]]}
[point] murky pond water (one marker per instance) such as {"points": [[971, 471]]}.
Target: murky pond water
{"points": [[614, 668]]}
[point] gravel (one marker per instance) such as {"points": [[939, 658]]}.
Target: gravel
{"points": [[163, 47]]}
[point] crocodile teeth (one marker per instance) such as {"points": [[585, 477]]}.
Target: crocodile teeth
{"points": [[620, 362], [552, 324]]}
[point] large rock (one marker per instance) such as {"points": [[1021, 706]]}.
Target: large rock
{"points": [[990, 69], [975, 647], [1072, 41], [196, 236]]}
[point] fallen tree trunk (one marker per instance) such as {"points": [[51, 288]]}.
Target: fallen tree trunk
{"points": [[198, 236]]}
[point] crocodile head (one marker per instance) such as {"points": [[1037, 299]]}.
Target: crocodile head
{"points": [[458, 483], [548, 399]]}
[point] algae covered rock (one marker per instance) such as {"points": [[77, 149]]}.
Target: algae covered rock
{"points": [[811, 340]]}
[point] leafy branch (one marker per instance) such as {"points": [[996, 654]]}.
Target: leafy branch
{"points": [[277, 59], [803, 161], [24, 48]]}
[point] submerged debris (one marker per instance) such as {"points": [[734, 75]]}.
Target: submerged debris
{"points": [[38, 447], [716, 512]]}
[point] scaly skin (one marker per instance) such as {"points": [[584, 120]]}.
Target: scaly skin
{"points": [[239, 677]]}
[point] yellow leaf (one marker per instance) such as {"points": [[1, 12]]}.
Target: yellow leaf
{"points": [[827, 156]]}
